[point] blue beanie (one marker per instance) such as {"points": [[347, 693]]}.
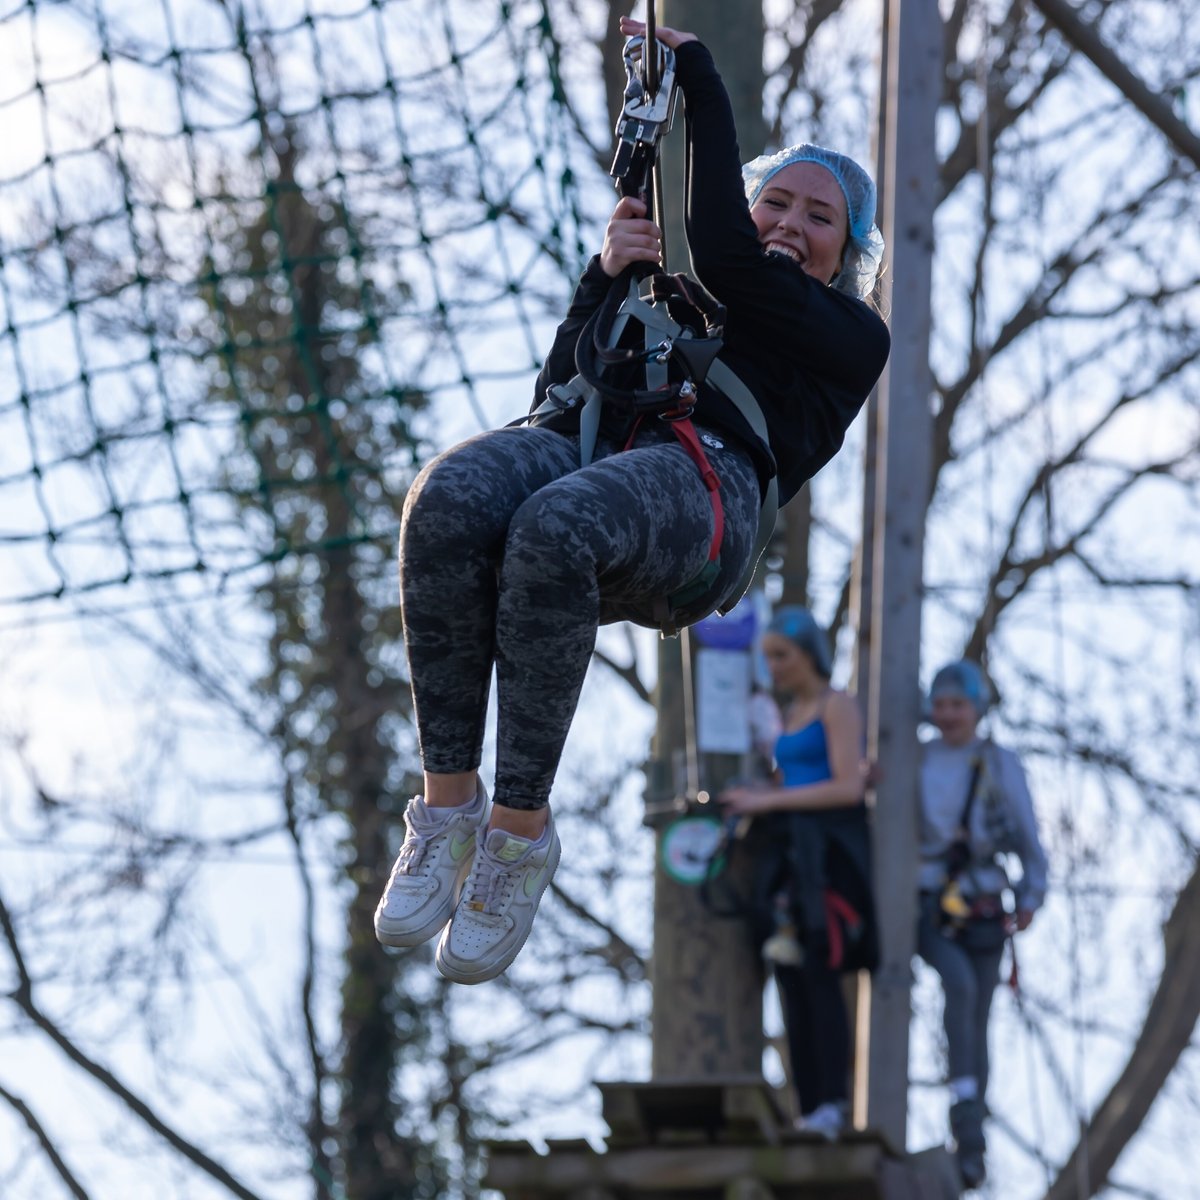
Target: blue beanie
{"points": [[800, 626], [963, 678]]}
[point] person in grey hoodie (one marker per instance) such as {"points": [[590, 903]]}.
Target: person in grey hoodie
{"points": [[975, 810]]}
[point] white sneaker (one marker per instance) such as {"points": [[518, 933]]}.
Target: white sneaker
{"points": [[782, 947], [498, 904], [828, 1119], [429, 871]]}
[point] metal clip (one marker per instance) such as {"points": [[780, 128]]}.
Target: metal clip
{"points": [[685, 404], [644, 119], [561, 397]]}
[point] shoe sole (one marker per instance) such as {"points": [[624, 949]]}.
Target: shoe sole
{"points": [[482, 973], [400, 938]]}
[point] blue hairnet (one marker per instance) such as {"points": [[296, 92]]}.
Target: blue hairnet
{"points": [[800, 626], [962, 678], [864, 246]]}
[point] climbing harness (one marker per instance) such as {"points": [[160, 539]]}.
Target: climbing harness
{"points": [[978, 921], [646, 297], [792, 864], [672, 401]]}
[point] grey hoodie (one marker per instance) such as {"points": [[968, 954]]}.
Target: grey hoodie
{"points": [[1002, 820]]}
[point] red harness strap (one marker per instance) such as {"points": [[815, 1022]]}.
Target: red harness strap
{"points": [[685, 432], [838, 906]]}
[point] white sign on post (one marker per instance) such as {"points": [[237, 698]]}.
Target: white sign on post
{"points": [[723, 679]]}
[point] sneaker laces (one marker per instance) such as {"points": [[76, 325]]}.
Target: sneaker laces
{"points": [[423, 835], [490, 884]]}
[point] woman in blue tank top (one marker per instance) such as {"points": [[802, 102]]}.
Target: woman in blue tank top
{"points": [[812, 864]]}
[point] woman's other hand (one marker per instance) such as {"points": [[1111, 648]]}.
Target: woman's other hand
{"points": [[669, 37], [745, 799], [630, 238]]}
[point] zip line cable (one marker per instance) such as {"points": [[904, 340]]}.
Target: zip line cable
{"points": [[980, 344], [658, 214], [979, 349], [1059, 667], [658, 205], [1060, 671]]}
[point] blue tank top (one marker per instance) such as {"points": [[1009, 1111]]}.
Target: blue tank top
{"points": [[803, 756]]}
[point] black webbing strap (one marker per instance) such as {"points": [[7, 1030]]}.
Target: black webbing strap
{"points": [[635, 296]]}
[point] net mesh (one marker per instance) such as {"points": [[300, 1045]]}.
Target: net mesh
{"points": [[249, 253]]}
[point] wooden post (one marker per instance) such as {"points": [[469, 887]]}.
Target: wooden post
{"points": [[707, 985], [862, 596], [914, 56]]}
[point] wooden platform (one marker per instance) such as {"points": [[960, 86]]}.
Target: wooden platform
{"points": [[713, 1140]]}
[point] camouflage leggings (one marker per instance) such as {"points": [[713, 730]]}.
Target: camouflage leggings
{"points": [[512, 554]]}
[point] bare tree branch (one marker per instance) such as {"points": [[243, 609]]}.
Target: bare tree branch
{"points": [[1013, 573], [317, 1130], [1085, 38], [627, 672], [24, 998], [1036, 306], [1001, 115], [44, 1140], [617, 952], [793, 66]]}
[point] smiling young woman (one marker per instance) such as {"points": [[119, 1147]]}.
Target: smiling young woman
{"points": [[802, 213], [513, 549]]}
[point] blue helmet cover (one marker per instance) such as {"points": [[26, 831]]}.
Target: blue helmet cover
{"points": [[962, 678], [798, 625]]}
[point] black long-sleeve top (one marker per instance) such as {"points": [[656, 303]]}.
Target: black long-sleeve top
{"points": [[810, 355]]}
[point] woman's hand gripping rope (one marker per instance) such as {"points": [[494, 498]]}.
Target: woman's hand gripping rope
{"points": [[630, 238]]}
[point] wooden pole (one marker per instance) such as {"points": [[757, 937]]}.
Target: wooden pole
{"points": [[910, 188], [707, 991], [863, 597]]}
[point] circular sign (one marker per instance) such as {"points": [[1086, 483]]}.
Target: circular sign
{"points": [[688, 846]]}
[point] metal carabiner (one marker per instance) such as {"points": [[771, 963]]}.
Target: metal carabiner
{"points": [[644, 118]]}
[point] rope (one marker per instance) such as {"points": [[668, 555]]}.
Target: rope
{"points": [[1059, 668], [1083, 1180], [980, 343], [658, 207]]}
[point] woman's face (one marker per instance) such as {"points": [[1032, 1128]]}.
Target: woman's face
{"points": [[790, 667], [955, 717], [801, 212]]}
